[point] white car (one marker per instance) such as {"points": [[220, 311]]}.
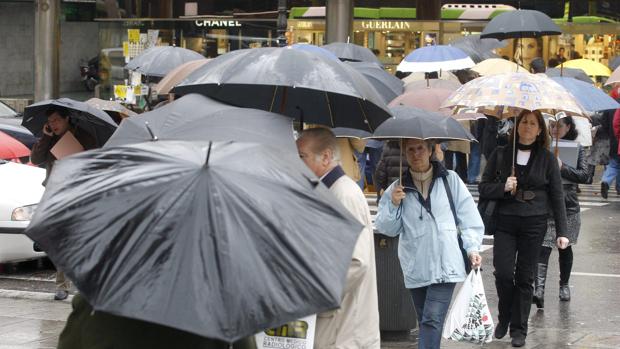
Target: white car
{"points": [[20, 192]]}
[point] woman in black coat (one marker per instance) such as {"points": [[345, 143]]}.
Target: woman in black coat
{"points": [[523, 200], [388, 168], [571, 176]]}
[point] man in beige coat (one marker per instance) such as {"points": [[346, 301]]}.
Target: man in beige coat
{"points": [[355, 325]]}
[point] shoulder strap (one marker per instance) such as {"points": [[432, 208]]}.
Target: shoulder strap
{"points": [[449, 192]]}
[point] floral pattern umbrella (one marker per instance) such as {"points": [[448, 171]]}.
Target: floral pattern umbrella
{"points": [[515, 92]]}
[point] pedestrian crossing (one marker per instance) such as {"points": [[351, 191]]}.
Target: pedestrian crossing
{"points": [[589, 198]]}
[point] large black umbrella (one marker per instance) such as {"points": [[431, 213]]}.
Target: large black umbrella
{"points": [[198, 118], [222, 241], [160, 60], [297, 83], [478, 49], [578, 74], [388, 86], [92, 120], [520, 24], [352, 52]]}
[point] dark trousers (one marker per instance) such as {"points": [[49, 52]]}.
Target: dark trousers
{"points": [[431, 305], [516, 248], [565, 260], [457, 162]]}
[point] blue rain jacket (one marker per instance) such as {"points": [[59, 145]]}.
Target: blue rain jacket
{"points": [[428, 249]]}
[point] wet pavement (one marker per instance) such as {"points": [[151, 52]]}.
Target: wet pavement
{"points": [[29, 318]]}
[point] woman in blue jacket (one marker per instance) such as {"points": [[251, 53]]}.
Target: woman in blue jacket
{"points": [[419, 210]]}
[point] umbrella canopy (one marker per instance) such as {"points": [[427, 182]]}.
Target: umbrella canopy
{"points": [[20, 133], [443, 75], [416, 123], [515, 90], [296, 83], [92, 120], [432, 83], [177, 75], [435, 58], [110, 107], [478, 49], [429, 99], [614, 77], [591, 98], [385, 83], [569, 73], [160, 60], [222, 241], [11, 148], [344, 132], [314, 49], [520, 24], [198, 118], [352, 52], [591, 68], [614, 63], [493, 66]]}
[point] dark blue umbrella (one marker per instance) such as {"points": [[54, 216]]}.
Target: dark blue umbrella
{"points": [[614, 63], [520, 24], [435, 58], [478, 49], [388, 86], [590, 97]]}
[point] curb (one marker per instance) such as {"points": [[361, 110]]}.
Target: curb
{"points": [[37, 296]]}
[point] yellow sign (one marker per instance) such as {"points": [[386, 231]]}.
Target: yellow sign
{"points": [[133, 36], [125, 48], [120, 91]]}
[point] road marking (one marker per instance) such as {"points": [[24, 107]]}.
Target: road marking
{"points": [[26, 278], [596, 274]]}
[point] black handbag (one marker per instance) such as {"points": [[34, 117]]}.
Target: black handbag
{"points": [[488, 207]]}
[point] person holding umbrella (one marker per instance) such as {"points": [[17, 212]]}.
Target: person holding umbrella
{"points": [[419, 209], [524, 192], [57, 126], [356, 323], [564, 129]]}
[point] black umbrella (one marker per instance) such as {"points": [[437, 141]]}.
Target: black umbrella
{"points": [[297, 83], [352, 52], [222, 241], [520, 24], [92, 120], [578, 74], [388, 86], [160, 60], [198, 118], [478, 49], [416, 123], [344, 132]]}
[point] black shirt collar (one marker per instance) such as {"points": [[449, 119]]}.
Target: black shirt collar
{"points": [[332, 176]]}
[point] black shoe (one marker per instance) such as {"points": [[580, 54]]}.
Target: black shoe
{"points": [[604, 190], [518, 341], [61, 295], [564, 293], [539, 285], [501, 330]]}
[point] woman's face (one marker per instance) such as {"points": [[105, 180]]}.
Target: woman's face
{"points": [[559, 129], [529, 46], [418, 155], [528, 129]]}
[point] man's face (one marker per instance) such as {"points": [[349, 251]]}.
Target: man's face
{"points": [[317, 163], [58, 124]]}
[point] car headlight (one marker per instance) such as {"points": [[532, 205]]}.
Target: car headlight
{"points": [[23, 213]]}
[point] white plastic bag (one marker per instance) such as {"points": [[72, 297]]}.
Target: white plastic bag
{"points": [[295, 334], [469, 319]]}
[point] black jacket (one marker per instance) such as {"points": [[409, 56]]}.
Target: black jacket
{"points": [[543, 179], [388, 168], [581, 175]]}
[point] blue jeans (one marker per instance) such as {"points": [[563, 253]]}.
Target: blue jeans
{"points": [[431, 304], [473, 168], [612, 171]]}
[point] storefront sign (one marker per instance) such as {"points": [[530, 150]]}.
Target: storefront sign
{"points": [[211, 24], [386, 25]]}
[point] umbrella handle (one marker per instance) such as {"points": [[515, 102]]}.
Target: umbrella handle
{"points": [[400, 172]]}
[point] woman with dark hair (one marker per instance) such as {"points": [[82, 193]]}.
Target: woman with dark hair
{"points": [[571, 176], [524, 192]]}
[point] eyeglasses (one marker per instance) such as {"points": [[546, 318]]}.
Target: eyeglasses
{"points": [[524, 195]]}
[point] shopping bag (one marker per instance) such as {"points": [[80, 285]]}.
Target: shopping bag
{"points": [[469, 319], [295, 334]]}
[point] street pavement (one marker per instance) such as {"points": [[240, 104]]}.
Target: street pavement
{"points": [[29, 318]]}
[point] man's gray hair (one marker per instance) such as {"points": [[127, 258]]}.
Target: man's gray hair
{"points": [[322, 139]]}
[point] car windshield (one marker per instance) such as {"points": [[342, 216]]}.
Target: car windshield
{"points": [[5, 110]]}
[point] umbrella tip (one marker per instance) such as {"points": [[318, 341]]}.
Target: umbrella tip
{"points": [[148, 128], [208, 154]]}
